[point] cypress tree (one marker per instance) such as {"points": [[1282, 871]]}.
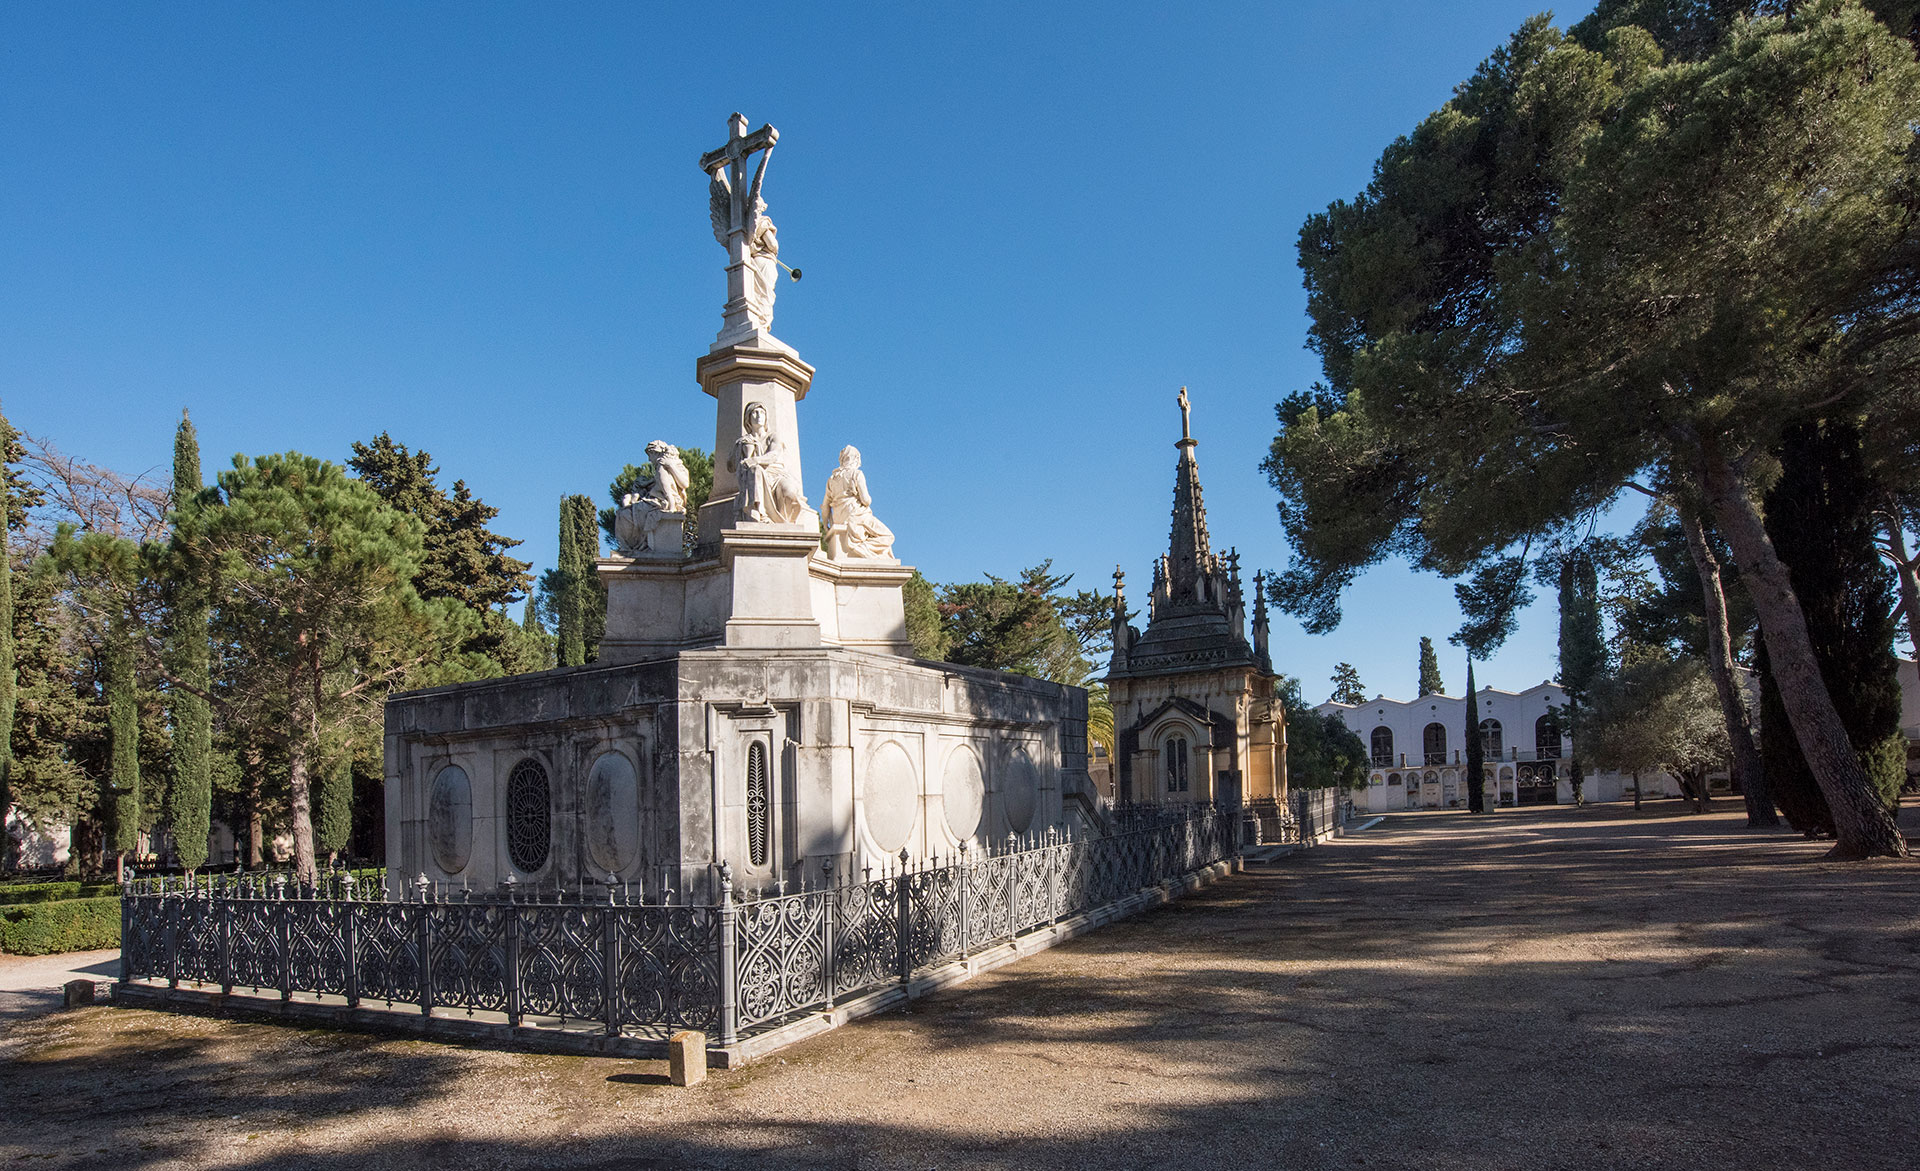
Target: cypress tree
{"points": [[1583, 651], [123, 733], [6, 655], [333, 809], [1476, 751], [582, 603], [1820, 518], [569, 618], [190, 800], [1430, 683]]}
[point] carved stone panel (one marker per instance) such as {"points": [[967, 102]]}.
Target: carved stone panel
{"points": [[613, 814], [1020, 790], [890, 796], [450, 819], [964, 788]]}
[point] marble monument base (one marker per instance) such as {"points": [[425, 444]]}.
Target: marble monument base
{"points": [[768, 587]]}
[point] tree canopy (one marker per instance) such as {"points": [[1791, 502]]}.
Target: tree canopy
{"points": [[1596, 264]]}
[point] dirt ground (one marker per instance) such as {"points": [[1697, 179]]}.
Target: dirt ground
{"points": [[1542, 988]]}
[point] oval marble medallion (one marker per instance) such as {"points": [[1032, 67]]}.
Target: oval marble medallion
{"points": [[450, 819], [890, 796]]}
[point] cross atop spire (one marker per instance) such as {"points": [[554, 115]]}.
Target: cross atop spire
{"points": [[1189, 557]]}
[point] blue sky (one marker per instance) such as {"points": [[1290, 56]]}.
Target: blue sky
{"points": [[481, 227]]}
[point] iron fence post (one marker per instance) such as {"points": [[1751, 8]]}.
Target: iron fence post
{"points": [[966, 903], [729, 1002], [284, 931], [1054, 863], [829, 982], [903, 921], [350, 931], [513, 961], [610, 957], [426, 956], [226, 947], [172, 937]]}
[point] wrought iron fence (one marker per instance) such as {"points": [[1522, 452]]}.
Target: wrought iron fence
{"points": [[332, 884], [730, 969]]}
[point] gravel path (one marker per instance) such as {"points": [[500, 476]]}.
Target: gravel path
{"points": [[30, 985], [1545, 988]]}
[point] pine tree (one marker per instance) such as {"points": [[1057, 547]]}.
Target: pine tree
{"points": [[317, 611], [190, 799], [1430, 683], [1583, 652], [1346, 685], [1476, 750], [924, 628], [1819, 515]]}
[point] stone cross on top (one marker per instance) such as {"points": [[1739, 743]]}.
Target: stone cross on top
{"points": [[741, 225]]}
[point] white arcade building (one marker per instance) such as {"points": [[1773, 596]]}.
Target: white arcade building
{"points": [[1418, 752]]}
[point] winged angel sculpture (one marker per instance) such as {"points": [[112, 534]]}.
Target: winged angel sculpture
{"points": [[763, 242]]}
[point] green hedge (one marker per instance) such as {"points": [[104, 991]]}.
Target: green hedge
{"points": [[50, 892], [39, 892], [39, 929]]}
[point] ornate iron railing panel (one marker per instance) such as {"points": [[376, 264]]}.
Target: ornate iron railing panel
{"points": [[782, 965], [196, 940], [316, 942], [142, 942], [866, 928], [729, 968], [389, 952], [468, 956], [562, 961], [254, 952], [669, 972]]}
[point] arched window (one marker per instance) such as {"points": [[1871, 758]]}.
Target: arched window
{"points": [[1176, 752], [1393, 778], [1383, 745], [1490, 741], [1434, 740], [759, 804], [1546, 736], [529, 816]]}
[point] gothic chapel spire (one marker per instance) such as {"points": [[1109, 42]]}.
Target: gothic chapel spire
{"points": [[1188, 555]]}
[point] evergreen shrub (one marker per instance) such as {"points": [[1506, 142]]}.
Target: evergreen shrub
{"points": [[39, 892], [70, 925]]}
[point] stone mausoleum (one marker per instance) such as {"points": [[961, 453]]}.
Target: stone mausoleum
{"points": [[1196, 714], [755, 704]]}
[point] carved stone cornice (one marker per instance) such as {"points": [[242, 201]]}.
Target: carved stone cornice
{"points": [[740, 363]]}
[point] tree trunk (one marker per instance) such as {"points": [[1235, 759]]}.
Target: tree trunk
{"points": [[1636, 792], [303, 712], [1906, 570], [1864, 828], [305, 871], [1747, 772], [256, 821]]}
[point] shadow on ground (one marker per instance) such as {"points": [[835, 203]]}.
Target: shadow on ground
{"points": [[1541, 988]]}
